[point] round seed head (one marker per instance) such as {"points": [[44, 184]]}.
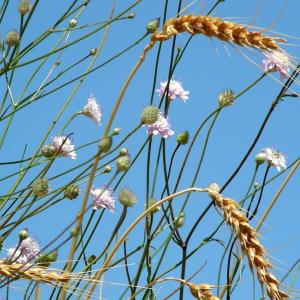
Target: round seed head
{"points": [[24, 7], [49, 151], [40, 187], [71, 191], [127, 197], [153, 25], [150, 115], [12, 38]]}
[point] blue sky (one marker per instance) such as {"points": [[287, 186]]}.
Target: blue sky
{"points": [[207, 67]]}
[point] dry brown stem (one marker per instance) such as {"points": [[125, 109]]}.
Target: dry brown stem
{"points": [[251, 247], [216, 27]]}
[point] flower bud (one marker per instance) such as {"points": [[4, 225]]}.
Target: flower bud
{"points": [[256, 185], [183, 137], [49, 151], [179, 221], [92, 259], [153, 25], [74, 232], [93, 51], [123, 163], [214, 187], [226, 98], [107, 168], [260, 158], [40, 187], [23, 234], [45, 259], [58, 62], [123, 151], [12, 38], [24, 7], [150, 115], [131, 16], [71, 191], [72, 23], [105, 144], [152, 201], [116, 131], [127, 197]]}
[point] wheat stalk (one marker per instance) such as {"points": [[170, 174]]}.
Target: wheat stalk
{"points": [[251, 247], [216, 27], [35, 273]]}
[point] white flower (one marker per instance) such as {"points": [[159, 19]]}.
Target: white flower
{"points": [[175, 90], [103, 198], [274, 158], [161, 126], [277, 61], [64, 146], [93, 110]]}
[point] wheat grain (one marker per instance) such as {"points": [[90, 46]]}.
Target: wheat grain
{"points": [[248, 238], [216, 27]]}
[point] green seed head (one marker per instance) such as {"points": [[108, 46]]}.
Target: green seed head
{"points": [[71, 191], [150, 115], [40, 187], [127, 197]]}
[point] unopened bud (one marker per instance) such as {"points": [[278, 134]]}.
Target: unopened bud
{"points": [[105, 144], [123, 163], [23, 234], [153, 25], [74, 232], [72, 23], [260, 158], [131, 16], [183, 137], [44, 260], [116, 131], [123, 151], [179, 221], [226, 98], [93, 51], [152, 201], [92, 259], [107, 168]]}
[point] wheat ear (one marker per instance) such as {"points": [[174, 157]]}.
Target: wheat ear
{"points": [[35, 273], [216, 27], [251, 247]]}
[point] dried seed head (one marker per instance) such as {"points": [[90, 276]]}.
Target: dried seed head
{"points": [[183, 137], [72, 23], [226, 98], [123, 163], [71, 191], [24, 7], [153, 25], [105, 144], [23, 234], [12, 38], [150, 115], [40, 187], [49, 151], [127, 197]]}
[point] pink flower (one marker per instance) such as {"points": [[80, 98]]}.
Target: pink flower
{"points": [[277, 61], [161, 126], [103, 198], [64, 146], [175, 90], [93, 110], [28, 249]]}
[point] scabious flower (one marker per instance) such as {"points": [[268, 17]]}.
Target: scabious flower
{"points": [[64, 146], [28, 249], [175, 90], [161, 126], [93, 110], [103, 198], [277, 61], [274, 158]]}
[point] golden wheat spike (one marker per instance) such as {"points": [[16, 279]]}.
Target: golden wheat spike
{"points": [[250, 244], [35, 273], [216, 27]]}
